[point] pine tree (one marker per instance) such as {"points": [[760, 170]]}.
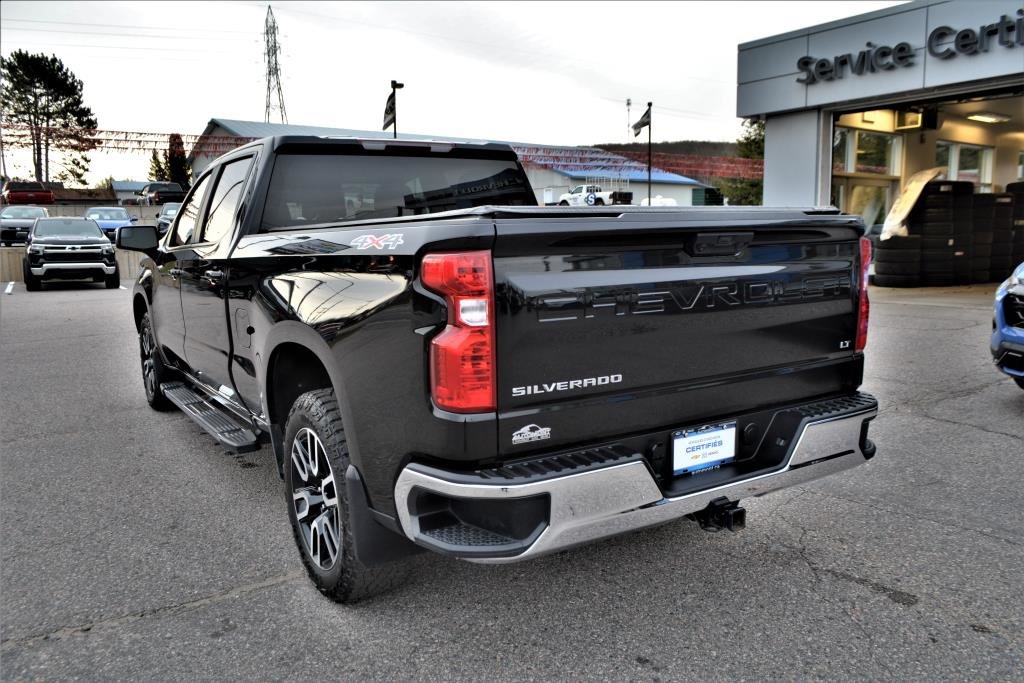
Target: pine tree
{"points": [[157, 169], [175, 168], [42, 101], [750, 145]]}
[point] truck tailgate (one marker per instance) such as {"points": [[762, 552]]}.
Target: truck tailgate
{"points": [[633, 322]]}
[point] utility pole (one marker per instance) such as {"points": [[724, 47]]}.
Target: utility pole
{"points": [[271, 50]]}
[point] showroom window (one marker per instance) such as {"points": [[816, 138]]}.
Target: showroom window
{"points": [[966, 162], [862, 151]]}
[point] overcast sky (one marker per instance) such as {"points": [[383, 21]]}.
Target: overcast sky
{"points": [[545, 72]]}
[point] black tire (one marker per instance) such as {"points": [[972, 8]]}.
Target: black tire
{"points": [[897, 268], [944, 242], [908, 242], [938, 279], [1019, 381], [563, 203], [897, 256], [955, 187], [33, 283], [932, 229], [931, 215], [897, 280], [154, 372], [113, 281], [7, 244], [598, 202], [346, 580]]}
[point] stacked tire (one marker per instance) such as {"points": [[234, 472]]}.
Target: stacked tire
{"points": [[942, 236], [898, 262], [1002, 237], [982, 214], [1017, 190]]}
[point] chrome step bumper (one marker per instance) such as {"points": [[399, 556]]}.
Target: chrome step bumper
{"points": [[90, 265], [602, 502]]}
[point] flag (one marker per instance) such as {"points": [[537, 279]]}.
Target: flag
{"points": [[644, 121], [389, 111]]}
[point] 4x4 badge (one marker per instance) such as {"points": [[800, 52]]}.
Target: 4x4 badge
{"points": [[530, 433], [390, 240]]}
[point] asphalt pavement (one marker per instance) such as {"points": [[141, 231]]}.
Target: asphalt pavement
{"points": [[131, 546]]}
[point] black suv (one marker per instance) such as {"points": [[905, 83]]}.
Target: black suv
{"points": [[69, 249]]}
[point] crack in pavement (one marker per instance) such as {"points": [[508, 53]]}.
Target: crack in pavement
{"points": [[177, 608], [903, 512], [994, 432]]}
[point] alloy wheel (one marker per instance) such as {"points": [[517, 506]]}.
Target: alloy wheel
{"points": [[315, 499], [147, 349]]}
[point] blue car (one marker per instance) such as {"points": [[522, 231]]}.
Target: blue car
{"points": [[110, 218], [1008, 327]]}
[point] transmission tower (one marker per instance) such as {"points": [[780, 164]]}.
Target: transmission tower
{"points": [[271, 50]]}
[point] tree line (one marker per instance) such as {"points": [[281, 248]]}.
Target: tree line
{"points": [[43, 109]]}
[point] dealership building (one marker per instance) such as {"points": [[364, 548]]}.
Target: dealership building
{"points": [[855, 107]]}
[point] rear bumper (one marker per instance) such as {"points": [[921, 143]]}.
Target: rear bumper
{"points": [[57, 269], [606, 501]]}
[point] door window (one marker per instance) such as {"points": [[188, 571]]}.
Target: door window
{"points": [[225, 199], [189, 213]]}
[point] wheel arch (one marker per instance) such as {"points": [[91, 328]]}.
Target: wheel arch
{"points": [[139, 308], [297, 360]]}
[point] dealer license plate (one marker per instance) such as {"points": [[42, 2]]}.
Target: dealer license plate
{"points": [[703, 448]]}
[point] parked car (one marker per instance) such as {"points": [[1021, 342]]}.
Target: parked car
{"points": [[160, 193], [25, 192], [440, 364], [1008, 327], [68, 249], [110, 218], [16, 222], [166, 217]]}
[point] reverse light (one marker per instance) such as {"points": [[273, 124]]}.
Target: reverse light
{"points": [[462, 366], [863, 305]]}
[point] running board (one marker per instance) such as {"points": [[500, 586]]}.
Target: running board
{"points": [[227, 430]]}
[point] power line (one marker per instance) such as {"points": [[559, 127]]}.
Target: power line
{"points": [[136, 37], [129, 47], [131, 26]]}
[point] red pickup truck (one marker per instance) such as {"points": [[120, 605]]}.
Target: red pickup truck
{"points": [[25, 192]]}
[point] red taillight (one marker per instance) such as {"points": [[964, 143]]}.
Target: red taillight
{"points": [[462, 370], [863, 306]]}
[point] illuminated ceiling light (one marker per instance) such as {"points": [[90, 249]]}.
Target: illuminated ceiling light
{"points": [[988, 117]]}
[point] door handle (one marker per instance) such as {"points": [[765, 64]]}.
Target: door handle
{"points": [[175, 272], [215, 276]]}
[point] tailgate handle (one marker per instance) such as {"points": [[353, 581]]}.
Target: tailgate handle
{"points": [[721, 243]]}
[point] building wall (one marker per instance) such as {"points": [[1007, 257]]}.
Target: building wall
{"points": [[796, 170], [548, 185], [768, 73]]}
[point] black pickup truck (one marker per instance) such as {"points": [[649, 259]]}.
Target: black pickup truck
{"points": [[438, 363], [160, 193]]}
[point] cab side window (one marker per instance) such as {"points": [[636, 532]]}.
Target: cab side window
{"points": [[225, 199], [189, 213]]}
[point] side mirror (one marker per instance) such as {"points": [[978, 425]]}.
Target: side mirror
{"points": [[133, 219], [137, 238], [28, 238]]}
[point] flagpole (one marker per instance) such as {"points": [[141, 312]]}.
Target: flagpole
{"points": [[395, 85], [650, 124]]}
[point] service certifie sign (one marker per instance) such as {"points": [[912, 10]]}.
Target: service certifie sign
{"points": [[703, 448]]}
